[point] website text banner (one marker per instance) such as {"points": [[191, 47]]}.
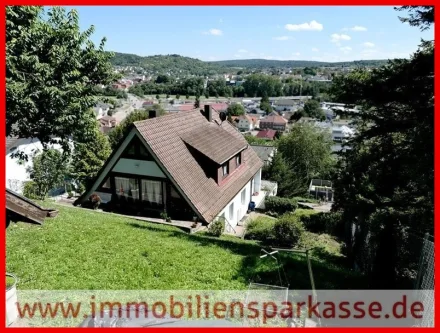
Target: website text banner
{"points": [[265, 307]]}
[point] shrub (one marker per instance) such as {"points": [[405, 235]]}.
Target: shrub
{"points": [[279, 205], [30, 190], [330, 223], [260, 229], [216, 228], [288, 230]]}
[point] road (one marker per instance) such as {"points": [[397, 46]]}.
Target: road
{"points": [[132, 103]]}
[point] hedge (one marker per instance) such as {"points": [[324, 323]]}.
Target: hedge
{"points": [[287, 231], [329, 223], [279, 205]]}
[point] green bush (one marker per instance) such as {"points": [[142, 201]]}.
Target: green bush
{"points": [[30, 190], [288, 231], [280, 205], [260, 229], [330, 223], [216, 228]]}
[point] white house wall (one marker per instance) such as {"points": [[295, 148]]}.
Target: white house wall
{"points": [[240, 209], [16, 173]]}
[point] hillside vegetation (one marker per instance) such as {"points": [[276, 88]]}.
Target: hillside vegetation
{"points": [[168, 64], [174, 63], [264, 63]]}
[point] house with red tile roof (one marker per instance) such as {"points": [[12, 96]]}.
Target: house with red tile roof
{"points": [[274, 122], [267, 134], [187, 164]]}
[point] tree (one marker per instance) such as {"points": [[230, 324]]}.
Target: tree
{"points": [[48, 170], [236, 109], [385, 182], [121, 130], [52, 69], [197, 102], [89, 157], [157, 97], [177, 96], [265, 106], [296, 116], [313, 109], [187, 96], [305, 153], [168, 96]]}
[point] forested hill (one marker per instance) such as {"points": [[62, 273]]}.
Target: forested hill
{"points": [[264, 63], [172, 63]]}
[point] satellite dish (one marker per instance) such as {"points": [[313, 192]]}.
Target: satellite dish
{"points": [[223, 116]]}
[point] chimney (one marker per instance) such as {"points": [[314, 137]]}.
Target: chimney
{"points": [[151, 114], [208, 112]]}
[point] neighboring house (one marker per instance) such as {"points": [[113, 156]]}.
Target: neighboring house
{"points": [[16, 170], [265, 153], [285, 105], [267, 134], [107, 121], [147, 104], [188, 164], [277, 123], [321, 189], [342, 133], [247, 123], [101, 109]]}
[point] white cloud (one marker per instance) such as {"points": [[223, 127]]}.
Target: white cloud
{"points": [[358, 28], [296, 54], [212, 58], [346, 49], [311, 26], [336, 38], [314, 49], [237, 55], [368, 44], [242, 51], [282, 38], [214, 32]]}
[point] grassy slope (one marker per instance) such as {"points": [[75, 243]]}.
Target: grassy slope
{"points": [[82, 249]]}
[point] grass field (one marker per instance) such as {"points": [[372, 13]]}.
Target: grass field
{"points": [[83, 249]]}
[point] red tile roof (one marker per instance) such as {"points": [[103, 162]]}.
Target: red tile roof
{"points": [[166, 134], [267, 134], [274, 119]]}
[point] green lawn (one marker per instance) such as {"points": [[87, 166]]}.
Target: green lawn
{"points": [[83, 249]]}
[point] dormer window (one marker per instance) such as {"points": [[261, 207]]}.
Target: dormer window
{"points": [[238, 160], [225, 168]]}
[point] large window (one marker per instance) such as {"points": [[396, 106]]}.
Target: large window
{"points": [[127, 187], [152, 191]]}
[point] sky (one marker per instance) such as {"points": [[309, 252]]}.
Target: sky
{"points": [[320, 33]]}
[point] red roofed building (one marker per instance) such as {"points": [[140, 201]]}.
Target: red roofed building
{"points": [[267, 134], [274, 122], [188, 164]]}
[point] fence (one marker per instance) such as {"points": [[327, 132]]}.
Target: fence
{"points": [[425, 281]]}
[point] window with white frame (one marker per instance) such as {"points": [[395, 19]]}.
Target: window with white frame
{"points": [[231, 211], [243, 197], [225, 169]]}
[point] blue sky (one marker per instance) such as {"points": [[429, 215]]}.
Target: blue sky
{"points": [[322, 33]]}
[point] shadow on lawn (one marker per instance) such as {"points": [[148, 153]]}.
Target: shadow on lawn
{"points": [[328, 270]]}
